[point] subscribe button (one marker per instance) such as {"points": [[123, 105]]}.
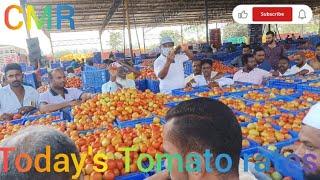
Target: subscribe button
{"points": [[272, 14]]}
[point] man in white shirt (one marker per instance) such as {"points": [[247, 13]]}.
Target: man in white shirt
{"points": [[302, 67], [250, 73], [118, 80], [58, 97], [15, 97], [283, 68], [212, 78], [168, 67], [192, 79]]}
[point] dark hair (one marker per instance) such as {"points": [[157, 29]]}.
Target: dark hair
{"points": [[270, 33], [258, 49], [318, 45], [33, 140], [12, 66], [206, 61], [70, 69], [246, 46], [245, 58], [89, 62], [284, 58], [204, 123], [54, 70]]}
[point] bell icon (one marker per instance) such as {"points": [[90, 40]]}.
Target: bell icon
{"points": [[302, 14]]}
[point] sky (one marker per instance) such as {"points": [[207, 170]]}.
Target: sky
{"points": [[64, 40]]}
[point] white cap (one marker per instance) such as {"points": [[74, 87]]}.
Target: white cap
{"points": [[313, 117], [165, 40]]}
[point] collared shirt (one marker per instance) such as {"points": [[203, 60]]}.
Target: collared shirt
{"points": [[51, 97], [287, 73], [199, 79], [9, 102], [175, 76], [113, 87], [255, 76], [273, 55], [295, 69], [265, 65]]}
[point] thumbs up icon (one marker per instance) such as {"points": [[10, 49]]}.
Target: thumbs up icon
{"points": [[243, 15]]}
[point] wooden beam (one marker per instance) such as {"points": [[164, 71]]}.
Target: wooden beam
{"points": [[113, 9]]}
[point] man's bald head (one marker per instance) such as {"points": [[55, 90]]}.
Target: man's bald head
{"points": [[57, 78], [32, 141]]}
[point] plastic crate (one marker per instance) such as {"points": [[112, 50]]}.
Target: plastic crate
{"points": [[30, 68], [43, 71], [181, 92], [252, 147], [133, 176], [141, 84], [55, 65], [138, 60], [133, 123], [153, 171], [93, 80], [66, 64], [153, 85], [187, 67], [23, 66], [90, 68], [31, 118], [285, 166], [306, 87], [30, 78]]}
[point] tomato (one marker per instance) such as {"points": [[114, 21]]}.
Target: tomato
{"points": [[133, 168], [120, 164], [116, 172], [111, 164], [96, 176]]}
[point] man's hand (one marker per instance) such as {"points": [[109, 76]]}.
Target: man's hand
{"points": [[213, 84], [303, 72], [6, 117], [171, 56], [25, 109], [119, 85], [74, 103]]}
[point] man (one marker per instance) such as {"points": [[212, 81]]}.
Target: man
{"points": [[250, 73], [283, 68], [118, 80], [16, 97], [237, 62], [192, 79], [196, 126], [33, 141], [301, 67], [259, 56], [293, 37], [70, 72], [168, 67], [273, 50], [315, 63], [58, 97], [212, 78]]}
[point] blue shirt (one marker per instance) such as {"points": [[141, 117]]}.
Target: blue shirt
{"points": [[265, 65]]}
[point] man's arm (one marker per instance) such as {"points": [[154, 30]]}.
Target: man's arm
{"points": [[164, 71], [48, 108], [186, 50]]}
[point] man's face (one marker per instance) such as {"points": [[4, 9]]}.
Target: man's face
{"points": [[245, 51], [206, 69], [299, 60], [260, 56], [171, 149], [251, 63], [122, 73], [14, 78], [269, 39], [283, 65], [310, 145], [318, 51], [58, 79], [196, 67]]}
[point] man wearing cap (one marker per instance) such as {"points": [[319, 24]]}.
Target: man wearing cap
{"points": [[58, 97], [16, 97], [118, 80], [168, 67]]}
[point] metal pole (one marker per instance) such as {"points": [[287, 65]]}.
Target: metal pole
{"points": [[23, 5], [181, 34], [129, 30], [269, 27], [51, 45], [100, 38], [144, 41], [207, 21]]}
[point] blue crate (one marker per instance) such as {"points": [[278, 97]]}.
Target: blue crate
{"points": [[133, 176], [152, 172], [31, 118], [138, 60], [90, 68], [181, 92], [55, 65], [306, 87], [119, 55], [141, 84], [133, 123], [90, 89], [66, 64], [252, 147], [30, 78], [30, 68], [153, 85], [23, 66], [285, 166], [43, 71], [94, 79], [17, 121], [187, 67]]}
